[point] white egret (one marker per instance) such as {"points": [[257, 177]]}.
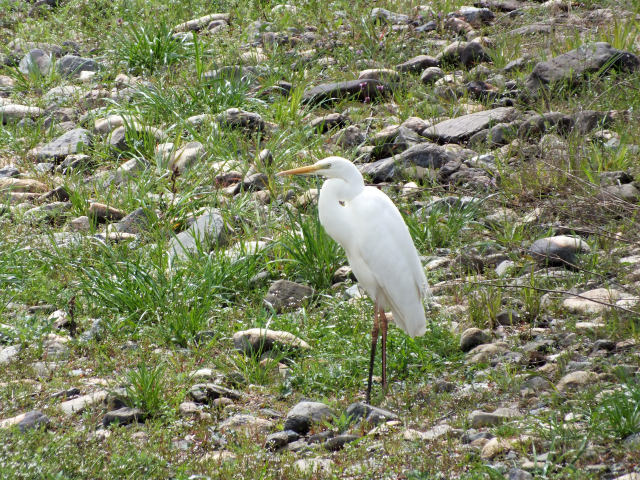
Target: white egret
{"points": [[376, 240]]}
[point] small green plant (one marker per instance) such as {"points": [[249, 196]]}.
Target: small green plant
{"points": [[145, 388], [620, 411]]}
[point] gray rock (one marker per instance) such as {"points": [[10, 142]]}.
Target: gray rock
{"points": [[33, 420], [472, 337], [508, 318], [536, 384], [388, 16], [36, 61], [71, 142], [373, 415], [123, 416], [12, 113], [327, 122], [207, 231], [9, 172], [394, 140], [517, 474], [575, 380], [304, 414], [277, 440], [104, 213], [208, 392], [339, 441], [8, 354], [627, 192], [560, 250], [72, 65], [431, 75], [186, 156], [59, 194], [118, 140], [310, 466], [287, 295], [257, 341], [417, 64], [632, 441], [248, 423], [237, 118], [79, 404], [571, 66], [349, 137], [255, 182], [353, 89], [52, 212], [462, 128], [480, 419], [136, 222]]}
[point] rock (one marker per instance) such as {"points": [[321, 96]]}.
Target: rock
{"points": [[480, 419], [431, 75], [72, 65], [247, 423], [236, 118], [430, 435], [389, 17], [62, 94], [277, 440], [287, 295], [362, 90], [118, 139], [610, 296], [198, 24], [462, 128], [27, 421], [382, 74], [104, 213], [71, 142], [80, 224], [560, 250], [517, 474], [186, 156], [571, 66], [575, 380], [78, 405], [508, 317], [417, 64], [27, 185], [627, 192], [13, 113], [373, 415], [304, 414], [328, 122], [123, 416], [257, 341], [343, 274], [310, 466], [36, 62], [9, 171], [495, 447], [52, 212], [472, 337], [207, 392], [339, 441], [8, 354], [136, 222], [349, 137], [207, 231]]}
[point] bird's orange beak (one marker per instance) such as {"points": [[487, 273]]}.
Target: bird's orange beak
{"points": [[309, 169]]}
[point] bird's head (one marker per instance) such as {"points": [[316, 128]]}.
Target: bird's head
{"points": [[330, 167]]}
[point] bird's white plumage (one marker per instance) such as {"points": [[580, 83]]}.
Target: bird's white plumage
{"points": [[366, 223]]}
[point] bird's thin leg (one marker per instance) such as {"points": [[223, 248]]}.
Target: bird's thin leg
{"points": [[383, 326], [374, 342]]}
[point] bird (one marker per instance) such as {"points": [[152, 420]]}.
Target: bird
{"points": [[365, 222]]}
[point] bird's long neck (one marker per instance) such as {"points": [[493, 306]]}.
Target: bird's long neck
{"points": [[333, 205], [345, 188]]}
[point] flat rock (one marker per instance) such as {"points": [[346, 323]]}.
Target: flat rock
{"points": [[247, 423], [462, 128], [197, 24], [571, 66], [207, 231], [237, 118], [417, 64], [560, 250], [575, 380], [304, 414], [135, 222], [185, 156], [430, 435], [360, 90], [309, 466], [79, 404], [26, 185], [256, 341], [71, 142], [13, 113], [382, 74], [27, 421], [123, 416], [72, 65], [480, 419], [610, 296], [277, 440], [286, 295], [472, 337], [388, 16], [207, 392], [339, 441], [373, 415], [104, 213]]}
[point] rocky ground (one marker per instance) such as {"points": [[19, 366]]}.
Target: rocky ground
{"points": [[169, 308]]}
